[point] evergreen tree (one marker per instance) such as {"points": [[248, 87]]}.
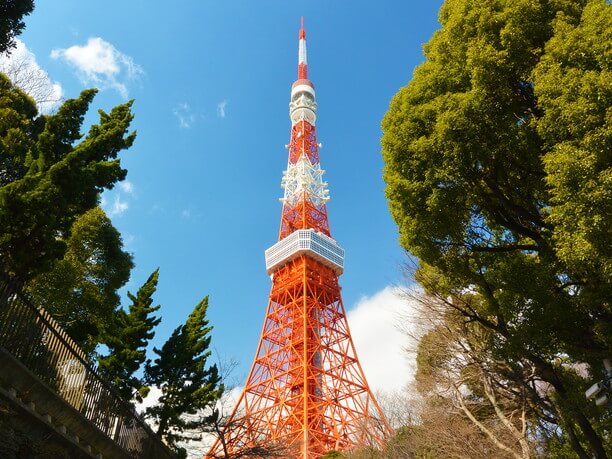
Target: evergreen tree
{"points": [[497, 163], [180, 371], [11, 21], [80, 290], [127, 342], [50, 174]]}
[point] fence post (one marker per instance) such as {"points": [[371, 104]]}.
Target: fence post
{"points": [[5, 292]]}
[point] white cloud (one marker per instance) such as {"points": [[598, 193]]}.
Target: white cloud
{"points": [[202, 441], [378, 325], [127, 187], [118, 207], [157, 209], [226, 406], [100, 64], [230, 398], [184, 115], [150, 400], [221, 108], [128, 239], [25, 72], [120, 204], [189, 213]]}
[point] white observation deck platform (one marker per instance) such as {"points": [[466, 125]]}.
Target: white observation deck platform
{"points": [[305, 242]]}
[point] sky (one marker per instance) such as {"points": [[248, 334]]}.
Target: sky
{"points": [[211, 82]]}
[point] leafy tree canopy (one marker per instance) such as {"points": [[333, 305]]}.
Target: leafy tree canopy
{"points": [[187, 384], [11, 21], [497, 163], [80, 290], [50, 174], [127, 341]]}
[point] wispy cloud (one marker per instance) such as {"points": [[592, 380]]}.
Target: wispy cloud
{"points": [[157, 208], [120, 197], [378, 326], [128, 239], [127, 187], [221, 108], [185, 115], [118, 207], [189, 213], [100, 64], [25, 72]]}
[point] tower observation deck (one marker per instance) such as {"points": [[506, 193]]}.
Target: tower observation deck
{"points": [[306, 393]]}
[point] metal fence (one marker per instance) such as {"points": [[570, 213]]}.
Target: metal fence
{"points": [[36, 340]]}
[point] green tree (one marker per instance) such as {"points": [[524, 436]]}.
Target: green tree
{"points": [[50, 174], [497, 163], [572, 83], [333, 454], [11, 21], [80, 289], [180, 371], [127, 341]]}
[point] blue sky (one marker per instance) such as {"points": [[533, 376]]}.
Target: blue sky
{"points": [[211, 83]]}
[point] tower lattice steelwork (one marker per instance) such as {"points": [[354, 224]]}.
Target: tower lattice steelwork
{"points": [[306, 389]]}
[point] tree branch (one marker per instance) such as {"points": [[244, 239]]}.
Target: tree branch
{"points": [[482, 427]]}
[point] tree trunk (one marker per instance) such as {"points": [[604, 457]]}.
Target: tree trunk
{"points": [[569, 411]]}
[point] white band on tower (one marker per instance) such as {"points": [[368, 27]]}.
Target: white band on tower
{"points": [[302, 52]]}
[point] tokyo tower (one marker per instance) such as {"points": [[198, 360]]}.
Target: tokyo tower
{"points": [[306, 389]]}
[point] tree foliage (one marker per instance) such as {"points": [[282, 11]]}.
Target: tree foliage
{"points": [[497, 163], [31, 79], [180, 371], [11, 21], [50, 174], [80, 289], [442, 432], [214, 422], [456, 364], [127, 341], [572, 82]]}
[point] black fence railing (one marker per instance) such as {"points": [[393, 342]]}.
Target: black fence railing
{"points": [[37, 341]]}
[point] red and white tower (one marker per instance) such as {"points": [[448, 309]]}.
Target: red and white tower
{"points": [[306, 389]]}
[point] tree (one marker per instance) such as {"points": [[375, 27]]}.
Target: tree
{"points": [[127, 342], [50, 174], [180, 371], [213, 425], [11, 21], [498, 175], [21, 68], [455, 363], [216, 422], [80, 289], [333, 454], [220, 425], [442, 431], [572, 86]]}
